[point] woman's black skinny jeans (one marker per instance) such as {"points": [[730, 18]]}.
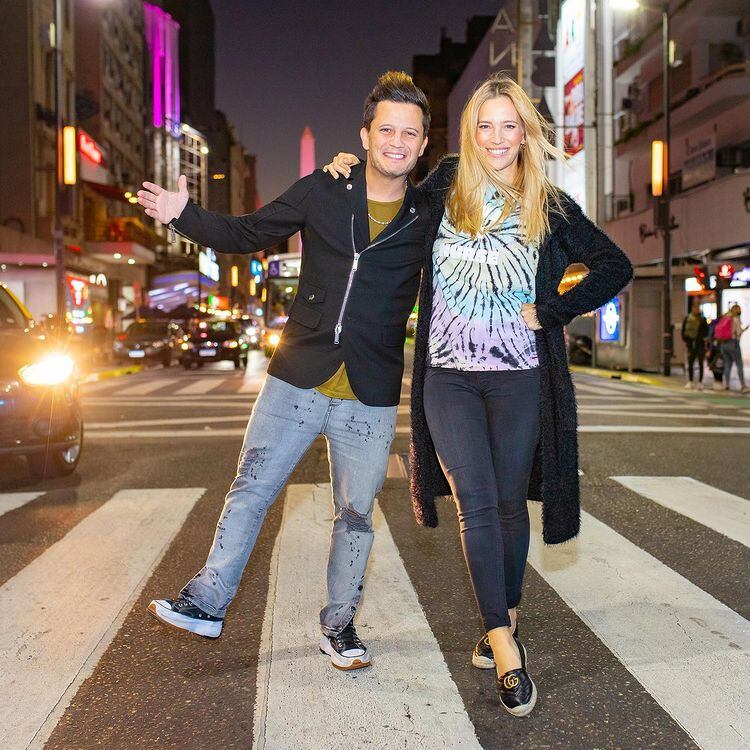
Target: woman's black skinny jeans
{"points": [[485, 427]]}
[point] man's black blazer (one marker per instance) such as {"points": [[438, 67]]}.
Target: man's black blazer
{"points": [[382, 279]]}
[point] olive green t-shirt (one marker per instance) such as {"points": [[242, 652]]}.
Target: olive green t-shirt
{"points": [[379, 215]]}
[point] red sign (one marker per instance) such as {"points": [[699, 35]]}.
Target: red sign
{"points": [[78, 288], [726, 271], [88, 147], [573, 120]]}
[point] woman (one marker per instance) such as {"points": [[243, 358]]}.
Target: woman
{"points": [[694, 333], [729, 331], [492, 396]]}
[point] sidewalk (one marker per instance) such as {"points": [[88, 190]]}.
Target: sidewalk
{"points": [[675, 382]]}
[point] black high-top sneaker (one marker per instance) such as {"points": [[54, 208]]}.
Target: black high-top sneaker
{"points": [[345, 649], [183, 614], [482, 658], [517, 692]]}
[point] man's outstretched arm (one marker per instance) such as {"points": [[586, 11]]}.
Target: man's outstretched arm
{"points": [[274, 222]]}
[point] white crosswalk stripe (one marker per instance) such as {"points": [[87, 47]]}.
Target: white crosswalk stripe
{"points": [[61, 611], [685, 647], [704, 504], [12, 500], [148, 386], [431, 715], [198, 387]]}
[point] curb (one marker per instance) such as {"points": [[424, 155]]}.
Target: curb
{"points": [[628, 377], [95, 377]]}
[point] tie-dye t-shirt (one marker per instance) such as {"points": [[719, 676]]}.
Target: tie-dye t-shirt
{"points": [[479, 285]]}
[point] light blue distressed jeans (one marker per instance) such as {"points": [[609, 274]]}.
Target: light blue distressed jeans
{"points": [[284, 423]]}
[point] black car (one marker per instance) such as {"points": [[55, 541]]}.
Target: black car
{"points": [[149, 341], [213, 340], [40, 411]]}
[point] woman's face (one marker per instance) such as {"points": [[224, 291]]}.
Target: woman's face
{"points": [[499, 135]]}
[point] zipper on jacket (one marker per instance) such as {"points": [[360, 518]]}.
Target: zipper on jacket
{"points": [[339, 323]]}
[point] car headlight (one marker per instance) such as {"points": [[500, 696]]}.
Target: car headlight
{"points": [[157, 344], [53, 369], [231, 344], [184, 346], [254, 339], [119, 346], [274, 339]]}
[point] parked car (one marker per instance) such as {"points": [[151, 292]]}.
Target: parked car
{"points": [[214, 340], [40, 411], [149, 341]]}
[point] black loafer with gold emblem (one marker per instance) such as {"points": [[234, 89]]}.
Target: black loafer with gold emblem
{"points": [[517, 692]]}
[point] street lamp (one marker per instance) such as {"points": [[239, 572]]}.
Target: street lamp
{"points": [[663, 196]]}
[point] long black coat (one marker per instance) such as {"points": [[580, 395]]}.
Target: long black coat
{"points": [[554, 480]]}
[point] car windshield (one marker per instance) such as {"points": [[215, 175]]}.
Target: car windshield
{"points": [[146, 328], [10, 314]]}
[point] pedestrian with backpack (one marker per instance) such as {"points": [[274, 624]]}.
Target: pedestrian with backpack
{"points": [[728, 332]]}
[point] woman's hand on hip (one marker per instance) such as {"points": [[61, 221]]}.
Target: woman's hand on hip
{"points": [[528, 313], [341, 165]]}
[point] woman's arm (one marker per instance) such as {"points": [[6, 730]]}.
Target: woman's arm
{"points": [[609, 270]]}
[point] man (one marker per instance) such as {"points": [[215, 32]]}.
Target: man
{"points": [[337, 370], [694, 333]]}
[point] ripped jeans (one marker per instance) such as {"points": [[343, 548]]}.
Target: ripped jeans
{"points": [[284, 423]]}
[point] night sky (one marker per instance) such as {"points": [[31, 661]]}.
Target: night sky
{"points": [[283, 65]]}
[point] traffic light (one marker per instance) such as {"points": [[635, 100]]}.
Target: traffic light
{"points": [[726, 271], [701, 275]]}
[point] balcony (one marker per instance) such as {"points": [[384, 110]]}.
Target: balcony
{"points": [[122, 240]]}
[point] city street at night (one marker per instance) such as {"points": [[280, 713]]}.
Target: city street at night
{"points": [[627, 626], [374, 376]]}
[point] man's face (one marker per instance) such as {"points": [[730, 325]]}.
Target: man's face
{"points": [[395, 139]]}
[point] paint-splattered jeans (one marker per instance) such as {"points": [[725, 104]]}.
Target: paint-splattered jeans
{"points": [[284, 423]]}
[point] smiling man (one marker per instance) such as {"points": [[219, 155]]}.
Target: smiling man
{"points": [[338, 367]]}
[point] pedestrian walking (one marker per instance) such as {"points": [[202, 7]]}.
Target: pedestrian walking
{"points": [[715, 358], [337, 370], [694, 334], [728, 331], [493, 406]]}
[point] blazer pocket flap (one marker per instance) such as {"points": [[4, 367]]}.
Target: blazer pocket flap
{"points": [[304, 315], [312, 294], [394, 335]]}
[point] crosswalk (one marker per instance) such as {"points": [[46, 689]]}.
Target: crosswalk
{"points": [[688, 650]]}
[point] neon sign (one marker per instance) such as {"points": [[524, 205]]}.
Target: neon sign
{"points": [[88, 147]]}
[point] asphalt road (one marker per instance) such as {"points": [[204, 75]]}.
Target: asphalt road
{"points": [[637, 632]]}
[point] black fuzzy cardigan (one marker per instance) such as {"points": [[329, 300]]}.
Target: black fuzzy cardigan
{"points": [[573, 238]]}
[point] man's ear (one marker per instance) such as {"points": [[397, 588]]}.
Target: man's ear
{"points": [[424, 146], [364, 134]]}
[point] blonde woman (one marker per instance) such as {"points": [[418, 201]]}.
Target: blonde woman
{"points": [[493, 407]]}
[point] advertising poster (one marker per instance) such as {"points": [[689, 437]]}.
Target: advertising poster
{"points": [[573, 114]]}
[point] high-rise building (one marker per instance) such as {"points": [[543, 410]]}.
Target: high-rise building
{"points": [[28, 168], [436, 75]]}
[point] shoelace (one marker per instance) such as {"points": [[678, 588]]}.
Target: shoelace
{"points": [[352, 639]]}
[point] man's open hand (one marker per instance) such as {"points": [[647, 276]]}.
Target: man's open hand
{"points": [[162, 204]]}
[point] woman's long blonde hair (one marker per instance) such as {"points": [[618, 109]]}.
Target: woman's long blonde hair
{"points": [[532, 189]]}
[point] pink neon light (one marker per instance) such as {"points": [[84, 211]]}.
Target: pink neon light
{"points": [[162, 40], [306, 160]]}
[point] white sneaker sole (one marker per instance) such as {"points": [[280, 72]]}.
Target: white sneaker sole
{"points": [[164, 613], [527, 708], [345, 663], [483, 662]]}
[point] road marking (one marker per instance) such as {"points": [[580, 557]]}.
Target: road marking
{"points": [[197, 387], [141, 389], [634, 406], [252, 384], [207, 421], [407, 701], [699, 430], [397, 467], [63, 609], [12, 500], [704, 504], [671, 635], [651, 415], [171, 404]]}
